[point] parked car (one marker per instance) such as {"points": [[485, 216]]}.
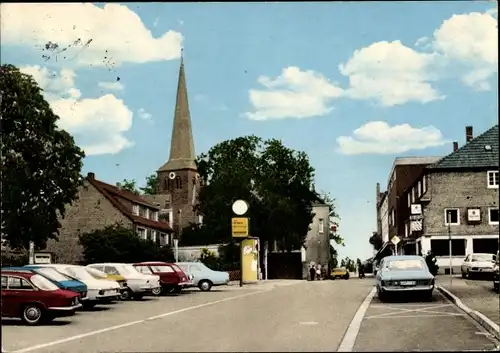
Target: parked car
{"points": [[496, 273], [98, 290], [404, 274], [339, 272], [122, 282], [138, 284], [478, 263], [34, 299], [203, 277], [60, 280], [172, 278]]}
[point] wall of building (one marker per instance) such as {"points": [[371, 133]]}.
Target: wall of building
{"points": [[90, 212], [317, 243], [384, 219], [193, 253]]}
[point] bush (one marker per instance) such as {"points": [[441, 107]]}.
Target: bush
{"points": [[18, 258], [228, 259]]}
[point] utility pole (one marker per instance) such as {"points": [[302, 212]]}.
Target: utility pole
{"points": [[449, 245]]}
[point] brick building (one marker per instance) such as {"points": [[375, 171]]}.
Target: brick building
{"points": [[178, 179], [458, 197], [99, 205]]}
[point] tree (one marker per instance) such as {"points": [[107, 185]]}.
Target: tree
{"points": [[349, 264], [117, 243], [276, 181], [40, 163], [150, 187], [376, 241], [129, 185]]}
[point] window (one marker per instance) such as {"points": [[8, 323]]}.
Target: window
{"points": [[195, 268], [162, 269], [135, 210], [412, 194], [441, 247], [146, 213], [4, 282], [144, 269], [485, 245], [163, 239], [153, 235], [452, 216], [419, 189], [409, 200], [493, 213], [178, 183], [141, 232], [110, 270], [424, 184], [143, 212], [16, 283], [393, 217], [155, 216], [321, 226], [493, 179]]}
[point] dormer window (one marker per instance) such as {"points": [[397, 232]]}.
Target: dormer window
{"points": [[135, 210]]}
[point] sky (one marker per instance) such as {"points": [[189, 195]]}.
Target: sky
{"points": [[353, 84]]}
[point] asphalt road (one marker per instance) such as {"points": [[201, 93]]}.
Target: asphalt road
{"points": [[301, 316]]}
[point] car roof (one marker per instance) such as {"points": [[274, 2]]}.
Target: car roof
{"points": [[188, 263], [26, 273], [152, 263], [108, 264], [402, 257], [57, 265]]}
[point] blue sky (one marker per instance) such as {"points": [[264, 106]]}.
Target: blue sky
{"points": [[353, 84]]}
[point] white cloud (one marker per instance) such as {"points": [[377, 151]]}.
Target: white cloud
{"points": [[111, 86], [471, 40], [390, 73], [86, 34], [144, 115], [377, 137], [97, 124], [294, 94]]}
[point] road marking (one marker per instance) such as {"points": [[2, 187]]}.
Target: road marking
{"points": [[407, 316], [308, 323], [422, 309], [113, 328], [349, 339]]}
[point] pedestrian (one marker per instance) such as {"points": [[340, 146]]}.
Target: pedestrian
{"points": [[312, 273], [318, 272]]}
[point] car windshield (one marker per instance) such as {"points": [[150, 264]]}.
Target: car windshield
{"points": [[339, 269], [177, 269], [482, 257], [161, 268], [96, 273], [405, 265], [129, 270], [79, 273], [52, 274], [43, 283]]}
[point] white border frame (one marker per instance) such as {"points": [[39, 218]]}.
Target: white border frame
{"points": [[488, 179], [489, 216], [446, 216]]}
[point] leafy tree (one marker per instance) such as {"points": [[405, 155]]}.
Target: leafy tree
{"points": [[117, 243], [129, 185], [333, 263], [376, 241], [276, 181], [349, 264], [150, 187], [40, 163]]}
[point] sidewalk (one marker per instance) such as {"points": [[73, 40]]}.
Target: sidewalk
{"points": [[477, 295]]}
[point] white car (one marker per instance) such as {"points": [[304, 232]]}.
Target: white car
{"points": [[478, 263], [98, 290], [139, 284]]}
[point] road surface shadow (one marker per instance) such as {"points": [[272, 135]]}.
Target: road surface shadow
{"points": [[96, 308], [410, 298], [18, 322]]}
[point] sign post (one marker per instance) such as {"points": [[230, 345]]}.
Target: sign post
{"points": [[395, 240], [240, 228], [31, 259]]}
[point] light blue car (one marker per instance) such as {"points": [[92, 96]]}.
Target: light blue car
{"points": [[404, 274], [202, 276]]}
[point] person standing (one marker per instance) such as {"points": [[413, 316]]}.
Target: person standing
{"points": [[318, 272], [312, 273]]}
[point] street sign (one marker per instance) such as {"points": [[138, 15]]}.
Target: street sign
{"points": [[240, 207], [395, 240], [416, 217], [239, 227]]}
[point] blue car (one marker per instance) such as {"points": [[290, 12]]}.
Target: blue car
{"points": [[202, 276], [60, 280], [404, 274]]}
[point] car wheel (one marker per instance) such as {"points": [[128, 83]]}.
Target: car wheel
{"points": [[157, 291], [177, 289], [205, 285], [88, 305], [463, 274], [468, 275], [346, 276], [32, 314], [126, 294]]}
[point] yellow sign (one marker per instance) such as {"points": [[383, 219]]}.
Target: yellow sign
{"points": [[239, 227]]}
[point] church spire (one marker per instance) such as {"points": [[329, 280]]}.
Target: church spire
{"points": [[182, 154]]}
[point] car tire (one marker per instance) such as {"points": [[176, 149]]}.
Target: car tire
{"points": [[382, 296], [88, 305], [463, 274], [177, 289], [126, 294], [157, 291], [346, 276], [33, 314], [205, 285], [468, 275]]}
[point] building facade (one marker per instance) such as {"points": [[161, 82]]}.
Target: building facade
{"points": [[457, 197], [100, 205], [384, 217]]}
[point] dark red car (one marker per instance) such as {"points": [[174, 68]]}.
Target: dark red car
{"points": [[34, 299], [172, 278]]}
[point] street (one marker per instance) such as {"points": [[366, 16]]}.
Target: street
{"points": [[274, 316]]}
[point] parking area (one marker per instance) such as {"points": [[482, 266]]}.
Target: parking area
{"points": [[412, 325]]}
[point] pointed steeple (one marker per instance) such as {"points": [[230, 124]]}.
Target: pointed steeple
{"points": [[182, 154]]}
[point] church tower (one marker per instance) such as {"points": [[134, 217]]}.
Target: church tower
{"points": [[178, 177]]}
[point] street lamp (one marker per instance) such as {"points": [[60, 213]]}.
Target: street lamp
{"points": [[449, 244]]}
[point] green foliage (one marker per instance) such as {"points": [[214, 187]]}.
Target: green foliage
{"points": [[40, 163], [120, 244], [349, 264], [209, 258], [376, 241], [129, 185], [276, 181], [11, 258], [228, 259], [150, 187], [333, 262]]}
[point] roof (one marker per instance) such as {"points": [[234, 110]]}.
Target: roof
{"points": [[403, 257], [113, 193], [182, 154], [417, 160], [473, 154]]}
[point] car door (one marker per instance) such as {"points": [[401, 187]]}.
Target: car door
{"points": [[19, 291], [8, 298], [196, 271]]}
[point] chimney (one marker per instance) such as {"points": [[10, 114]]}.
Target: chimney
{"points": [[377, 199], [468, 133], [455, 146], [91, 176]]}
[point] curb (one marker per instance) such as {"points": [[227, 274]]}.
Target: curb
{"points": [[480, 318]]}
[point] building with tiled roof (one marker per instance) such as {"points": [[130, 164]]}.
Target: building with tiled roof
{"points": [[457, 197]]}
